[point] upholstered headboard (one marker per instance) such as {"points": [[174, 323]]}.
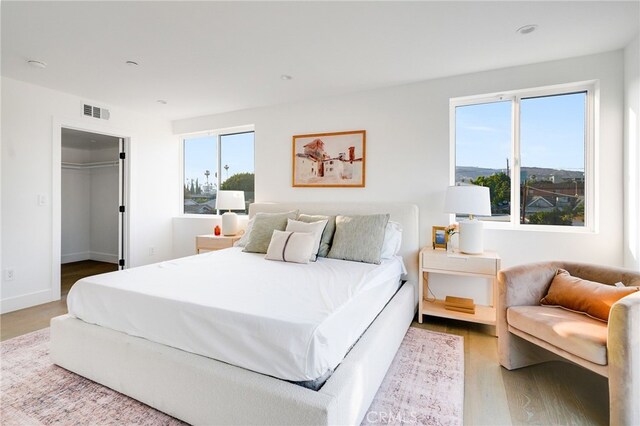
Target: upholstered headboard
{"points": [[405, 214]]}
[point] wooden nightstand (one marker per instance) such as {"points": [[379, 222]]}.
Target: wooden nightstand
{"points": [[215, 242], [485, 265]]}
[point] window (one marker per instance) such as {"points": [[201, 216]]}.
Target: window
{"points": [[213, 162], [483, 151], [531, 148]]}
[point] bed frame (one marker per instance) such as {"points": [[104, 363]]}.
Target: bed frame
{"points": [[201, 390]]}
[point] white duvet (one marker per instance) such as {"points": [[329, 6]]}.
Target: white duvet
{"points": [[291, 321]]}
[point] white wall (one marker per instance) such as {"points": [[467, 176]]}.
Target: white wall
{"points": [[408, 152], [632, 154], [29, 114]]}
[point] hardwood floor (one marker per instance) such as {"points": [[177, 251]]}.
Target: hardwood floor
{"points": [[24, 321], [72, 272], [31, 319], [555, 393], [552, 393]]}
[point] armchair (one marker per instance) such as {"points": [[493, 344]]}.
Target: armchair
{"points": [[529, 333]]}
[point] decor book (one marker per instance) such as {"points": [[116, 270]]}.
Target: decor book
{"points": [[460, 304]]}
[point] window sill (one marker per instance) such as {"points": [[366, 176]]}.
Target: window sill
{"points": [[538, 228]]}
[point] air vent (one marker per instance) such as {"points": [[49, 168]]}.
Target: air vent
{"points": [[95, 112]]}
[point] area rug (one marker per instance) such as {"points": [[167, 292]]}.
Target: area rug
{"points": [[424, 385]]}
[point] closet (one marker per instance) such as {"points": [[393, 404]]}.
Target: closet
{"points": [[90, 184]]}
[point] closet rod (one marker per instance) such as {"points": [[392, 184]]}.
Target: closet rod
{"points": [[79, 166]]}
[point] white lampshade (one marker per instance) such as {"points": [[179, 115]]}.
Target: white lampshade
{"points": [[230, 200], [469, 200]]}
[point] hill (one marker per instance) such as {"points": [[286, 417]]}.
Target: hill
{"points": [[466, 173]]}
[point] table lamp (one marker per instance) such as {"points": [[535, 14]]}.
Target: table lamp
{"points": [[469, 200], [230, 200]]}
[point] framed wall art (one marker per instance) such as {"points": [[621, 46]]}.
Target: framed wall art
{"points": [[329, 159]]}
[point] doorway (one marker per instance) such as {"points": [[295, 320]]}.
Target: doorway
{"points": [[92, 205]]}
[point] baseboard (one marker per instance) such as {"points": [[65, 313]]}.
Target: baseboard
{"points": [[89, 255], [11, 304], [75, 257], [103, 257]]}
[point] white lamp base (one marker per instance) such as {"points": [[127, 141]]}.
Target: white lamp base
{"points": [[229, 223], [471, 241]]}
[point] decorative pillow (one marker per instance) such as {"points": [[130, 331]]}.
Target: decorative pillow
{"points": [[588, 297], [242, 242], [327, 235], [314, 228], [359, 238], [287, 246], [263, 226], [392, 240]]}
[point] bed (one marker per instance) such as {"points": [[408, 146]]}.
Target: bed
{"points": [[188, 378]]}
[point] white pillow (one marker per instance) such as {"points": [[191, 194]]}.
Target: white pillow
{"points": [[245, 237], [287, 246], [315, 228], [392, 240]]}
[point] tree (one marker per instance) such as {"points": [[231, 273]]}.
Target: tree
{"points": [[554, 217], [239, 182], [198, 190], [499, 185]]}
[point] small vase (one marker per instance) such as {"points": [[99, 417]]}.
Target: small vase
{"points": [[452, 244]]}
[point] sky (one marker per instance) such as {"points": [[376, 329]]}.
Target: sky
{"points": [[200, 154], [552, 130]]}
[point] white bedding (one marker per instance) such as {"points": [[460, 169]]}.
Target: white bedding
{"points": [[291, 321]]}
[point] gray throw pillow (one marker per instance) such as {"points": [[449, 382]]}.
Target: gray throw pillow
{"points": [[263, 226], [327, 234], [359, 238]]}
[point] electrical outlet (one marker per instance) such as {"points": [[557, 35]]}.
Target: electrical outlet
{"points": [[9, 274], [152, 251]]}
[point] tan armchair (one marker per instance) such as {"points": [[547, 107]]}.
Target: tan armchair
{"points": [[529, 333]]}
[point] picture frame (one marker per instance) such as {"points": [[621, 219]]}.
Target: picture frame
{"points": [[329, 160], [439, 237]]}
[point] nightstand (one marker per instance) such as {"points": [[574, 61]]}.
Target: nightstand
{"points": [[215, 242], [485, 265]]}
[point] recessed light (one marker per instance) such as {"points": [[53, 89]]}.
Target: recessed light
{"points": [[37, 64], [286, 77], [161, 101], [527, 29], [132, 63]]}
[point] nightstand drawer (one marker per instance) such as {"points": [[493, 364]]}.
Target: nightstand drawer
{"points": [[460, 263]]}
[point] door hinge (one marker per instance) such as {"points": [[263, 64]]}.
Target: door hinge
{"points": [[122, 155], [121, 209], [121, 262]]}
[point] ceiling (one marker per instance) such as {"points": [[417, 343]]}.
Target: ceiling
{"points": [[211, 57], [87, 141]]}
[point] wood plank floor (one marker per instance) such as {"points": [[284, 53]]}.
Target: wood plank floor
{"points": [[72, 272], [553, 393], [27, 320]]}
